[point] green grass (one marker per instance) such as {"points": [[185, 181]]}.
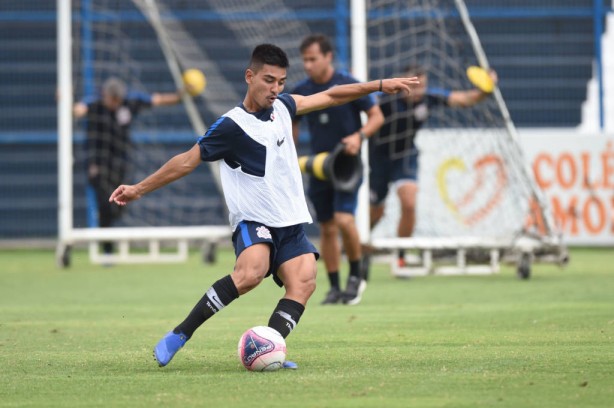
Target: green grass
{"points": [[83, 337]]}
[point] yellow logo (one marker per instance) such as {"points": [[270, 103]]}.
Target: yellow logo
{"points": [[464, 208]]}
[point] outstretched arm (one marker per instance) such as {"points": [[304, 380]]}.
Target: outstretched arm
{"points": [[163, 99], [375, 119], [341, 94], [79, 110], [465, 99], [177, 167]]}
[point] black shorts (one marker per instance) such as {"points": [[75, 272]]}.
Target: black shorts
{"points": [[286, 243], [327, 201], [384, 171]]}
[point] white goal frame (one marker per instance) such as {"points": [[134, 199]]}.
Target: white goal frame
{"points": [[523, 249], [68, 235]]}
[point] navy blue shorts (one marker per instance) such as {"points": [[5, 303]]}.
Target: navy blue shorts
{"points": [[327, 201], [384, 171], [286, 243]]}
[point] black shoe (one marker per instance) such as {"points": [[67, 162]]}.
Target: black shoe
{"points": [[333, 297], [353, 291]]}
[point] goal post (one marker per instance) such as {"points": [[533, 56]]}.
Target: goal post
{"points": [[476, 193]]}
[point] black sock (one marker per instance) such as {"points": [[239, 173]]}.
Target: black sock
{"points": [[333, 278], [355, 268], [219, 295], [365, 266], [285, 317]]}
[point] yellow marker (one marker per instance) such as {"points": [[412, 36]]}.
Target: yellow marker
{"points": [[481, 79], [194, 81]]}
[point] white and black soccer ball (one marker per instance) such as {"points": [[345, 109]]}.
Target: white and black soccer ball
{"points": [[262, 348]]}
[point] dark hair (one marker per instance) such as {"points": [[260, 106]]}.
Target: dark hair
{"points": [[320, 39], [414, 70], [268, 54]]}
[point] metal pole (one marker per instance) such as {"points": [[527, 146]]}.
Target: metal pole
{"points": [[65, 159], [360, 71], [598, 30]]}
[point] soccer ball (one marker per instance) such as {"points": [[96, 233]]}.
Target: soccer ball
{"points": [[262, 349]]}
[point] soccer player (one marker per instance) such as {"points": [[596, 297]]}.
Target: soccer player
{"points": [[393, 156], [335, 210], [108, 140], [263, 190]]}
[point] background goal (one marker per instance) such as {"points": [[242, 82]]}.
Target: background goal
{"points": [[474, 187], [475, 190]]}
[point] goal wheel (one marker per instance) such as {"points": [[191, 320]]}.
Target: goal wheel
{"points": [[524, 266]]}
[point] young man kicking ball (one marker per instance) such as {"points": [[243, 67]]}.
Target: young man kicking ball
{"points": [[263, 190]]}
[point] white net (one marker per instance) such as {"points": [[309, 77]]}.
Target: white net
{"points": [[472, 177], [133, 41], [113, 39]]}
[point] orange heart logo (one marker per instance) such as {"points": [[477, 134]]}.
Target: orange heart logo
{"points": [[476, 195]]}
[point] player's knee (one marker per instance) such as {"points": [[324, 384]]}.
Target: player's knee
{"points": [[309, 284], [329, 229], [306, 287], [408, 207], [302, 285], [249, 276], [344, 221]]}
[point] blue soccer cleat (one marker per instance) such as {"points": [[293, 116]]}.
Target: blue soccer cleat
{"points": [[168, 346], [291, 365]]}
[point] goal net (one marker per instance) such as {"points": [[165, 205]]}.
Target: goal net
{"points": [[145, 49], [472, 177], [475, 190]]}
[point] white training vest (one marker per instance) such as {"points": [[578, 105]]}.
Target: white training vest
{"points": [[277, 199]]}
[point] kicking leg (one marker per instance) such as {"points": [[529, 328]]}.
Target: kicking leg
{"points": [[299, 278], [251, 267]]}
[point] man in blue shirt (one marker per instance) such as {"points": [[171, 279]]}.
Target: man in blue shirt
{"points": [[393, 156], [327, 128]]}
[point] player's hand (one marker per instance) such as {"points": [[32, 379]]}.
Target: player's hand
{"points": [[352, 144], [493, 75], [396, 85], [93, 171], [124, 194]]}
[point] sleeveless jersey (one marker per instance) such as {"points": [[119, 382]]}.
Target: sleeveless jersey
{"points": [[260, 175]]}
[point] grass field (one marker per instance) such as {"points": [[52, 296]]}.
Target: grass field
{"points": [[83, 337]]}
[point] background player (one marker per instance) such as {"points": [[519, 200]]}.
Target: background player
{"points": [[327, 128], [108, 121], [393, 156]]}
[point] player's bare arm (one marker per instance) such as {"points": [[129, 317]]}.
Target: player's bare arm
{"points": [[465, 99], [79, 110], [341, 94], [375, 119], [165, 99], [177, 167]]}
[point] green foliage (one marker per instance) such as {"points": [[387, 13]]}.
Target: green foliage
{"points": [[83, 337]]}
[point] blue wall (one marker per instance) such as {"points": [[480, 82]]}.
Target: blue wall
{"points": [[542, 51]]}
